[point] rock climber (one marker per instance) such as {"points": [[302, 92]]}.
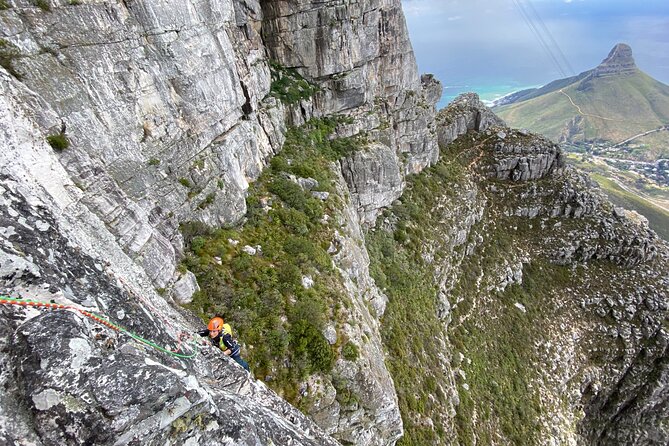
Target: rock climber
{"points": [[220, 335]]}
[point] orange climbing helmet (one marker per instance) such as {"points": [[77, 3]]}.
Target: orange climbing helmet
{"points": [[216, 324]]}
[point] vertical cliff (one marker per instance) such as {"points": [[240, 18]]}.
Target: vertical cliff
{"points": [[168, 112]]}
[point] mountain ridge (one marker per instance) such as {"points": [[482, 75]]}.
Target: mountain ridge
{"points": [[619, 61], [608, 104]]}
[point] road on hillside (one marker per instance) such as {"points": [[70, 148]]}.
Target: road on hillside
{"points": [[581, 112], [659, 129], [660, 203]]}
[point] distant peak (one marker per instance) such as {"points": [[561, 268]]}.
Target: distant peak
{"points": [[619, 61]]}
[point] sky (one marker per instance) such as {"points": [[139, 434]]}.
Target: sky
{"points": [[489, 44]]}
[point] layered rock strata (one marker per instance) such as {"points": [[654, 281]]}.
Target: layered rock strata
{"points": [[163, 105], [169, 115], [372, 78], [465, 113], [69, 380], [619, 61]]}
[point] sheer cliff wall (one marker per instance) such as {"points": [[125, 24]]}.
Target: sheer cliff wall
{"points": [[169, 114]]}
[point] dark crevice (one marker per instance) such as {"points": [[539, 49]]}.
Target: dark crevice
{"points": [[247, 108]]}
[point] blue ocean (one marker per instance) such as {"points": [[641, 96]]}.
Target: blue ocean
{"points": [[487, 93]]}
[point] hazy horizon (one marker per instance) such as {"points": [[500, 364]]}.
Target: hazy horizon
{"points": [[490, 44]]}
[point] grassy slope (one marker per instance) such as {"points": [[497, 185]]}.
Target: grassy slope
{"points": [[635, 102], [499, 397], [492, 334], [658, 218]]}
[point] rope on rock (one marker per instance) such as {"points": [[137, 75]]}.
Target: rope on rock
{"points": [[6, 300], [178, 332]]}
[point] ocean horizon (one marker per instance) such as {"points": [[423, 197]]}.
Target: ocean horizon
{"points": [[487, 93]]}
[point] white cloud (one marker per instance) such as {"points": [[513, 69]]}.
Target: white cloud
{"points": [[454, 18]]}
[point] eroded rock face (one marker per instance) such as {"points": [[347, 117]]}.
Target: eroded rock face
{"points": [[372, 77], [465, 113], [163, 105], [167, 112], [374, 177], [619, 61], [523, 157], [316, 37]]}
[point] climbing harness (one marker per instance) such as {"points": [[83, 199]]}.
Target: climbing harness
{"points": [[6, 300]]}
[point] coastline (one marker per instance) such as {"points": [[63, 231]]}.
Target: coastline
{"points": [[487, 93]]}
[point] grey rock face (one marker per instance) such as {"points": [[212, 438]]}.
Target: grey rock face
{"points": [[184, 288], [373, 78], [374, 176], [167, 111], [151, 94], [374, 418], [634, 410], [619, 61], [316, 38], [520, 157], [465, 113]]}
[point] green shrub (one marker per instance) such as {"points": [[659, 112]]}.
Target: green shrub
{"points": [[208, 200], [291, 193], [262, 295], [290, 277], [153, 162], [289, 86], [350, 351], [4, 5], [197, 244], [185, 182], [345, 396], [43, 5], [310, 346], [296, 221], [58, 141]]}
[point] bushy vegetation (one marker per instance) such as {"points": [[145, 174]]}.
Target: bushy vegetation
{"points": [[289, 86], [410, 324], [350, 351], [43, 5], [8, 53], [58, 141], [494, 336], [501, 361], [262, 295]]}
